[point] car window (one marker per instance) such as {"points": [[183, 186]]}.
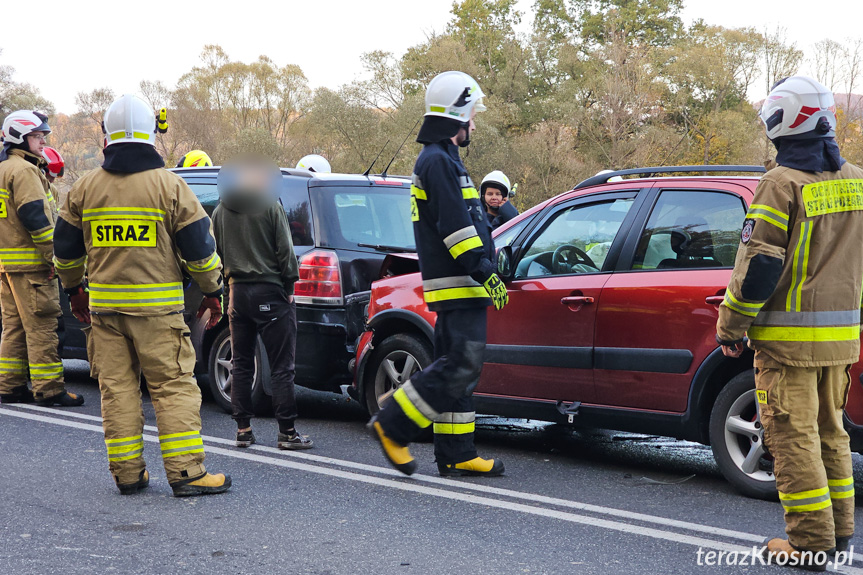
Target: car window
{"points": [[506, 238], [295, 199], [207, 194], [691, 229], [362, 217], [576, 240]]}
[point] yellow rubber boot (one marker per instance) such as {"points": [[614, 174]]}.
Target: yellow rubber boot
{"points": [[207, 484], [476, 467], [398, 455], [781, 552]]}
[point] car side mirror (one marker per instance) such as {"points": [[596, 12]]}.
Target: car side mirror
{"points": [[504, 262]]}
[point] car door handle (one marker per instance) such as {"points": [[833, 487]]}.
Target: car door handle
{"points": [[576, 302], [714, 299]]}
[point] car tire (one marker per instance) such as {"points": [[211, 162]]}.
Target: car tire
{"points": [[391, 364], [219, 371], [737, 439]]}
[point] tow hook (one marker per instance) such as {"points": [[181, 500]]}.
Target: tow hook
{"points": [[569, 410]]}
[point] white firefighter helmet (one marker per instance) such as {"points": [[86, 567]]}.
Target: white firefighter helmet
{"points": [[129, 119], [22, 122], [314, 163], [499, 178], [453, 95], [795, 105]]}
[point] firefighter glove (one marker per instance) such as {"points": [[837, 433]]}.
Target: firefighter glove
{"points": [[79, 301], [497, 291], [214, 304]]}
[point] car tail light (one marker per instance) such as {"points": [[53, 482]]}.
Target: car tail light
{"points": [[320, 279]]}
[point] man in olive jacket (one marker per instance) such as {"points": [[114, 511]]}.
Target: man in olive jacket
{"points": [[254, 241]]}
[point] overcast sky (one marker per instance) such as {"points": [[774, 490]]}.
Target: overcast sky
{"points": [[78, 45]]}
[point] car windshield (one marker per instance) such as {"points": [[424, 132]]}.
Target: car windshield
{"points": [[367, 217]]}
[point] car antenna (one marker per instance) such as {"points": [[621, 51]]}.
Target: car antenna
{"points": [[384, 173], [369, 171]]}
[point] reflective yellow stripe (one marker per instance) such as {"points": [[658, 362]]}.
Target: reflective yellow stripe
{"points": [[470, 193], [21, 256], [124, 448], [798, 268], [465, 245], [4, 193], [70, 265], [748, 309], [418, 193], [454, 428], [410, 409], [841, 488], [211, 264], [454, 293], [768, 214], [46, 370], [833, 197], [123, 213], [182, 443], [141, 135], [45, 236], [774, 333], [812, 500], [143, 295]]}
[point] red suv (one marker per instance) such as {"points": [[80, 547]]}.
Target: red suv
{"points": [[614, 289]]}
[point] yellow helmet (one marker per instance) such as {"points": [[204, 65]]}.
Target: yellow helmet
{"points": [[195, 159]]}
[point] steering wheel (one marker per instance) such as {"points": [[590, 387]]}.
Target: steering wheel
{"points": [[560, 261]]}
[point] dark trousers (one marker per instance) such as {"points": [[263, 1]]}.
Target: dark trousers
{"points": [[263, 309], [442, 393]]}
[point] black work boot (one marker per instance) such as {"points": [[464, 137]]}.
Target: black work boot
{"points": [[206, 484], [19, 394], [842, 545], [63, 399], [133, 488]]}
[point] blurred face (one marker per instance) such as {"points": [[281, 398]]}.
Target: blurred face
{"points": [[36, 142], [493, 197]]}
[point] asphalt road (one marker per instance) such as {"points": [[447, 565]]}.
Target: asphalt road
{"points": [[570, 502]]}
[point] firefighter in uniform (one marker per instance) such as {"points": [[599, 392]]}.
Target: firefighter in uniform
{"points": [[29, 294], [796, 293], [455, 251], [135, 228]]}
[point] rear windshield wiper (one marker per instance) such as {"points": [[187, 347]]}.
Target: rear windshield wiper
{"points": [[382, 248]]}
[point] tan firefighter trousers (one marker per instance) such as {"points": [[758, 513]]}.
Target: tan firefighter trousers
{"points": [[801, 410], [30, 305], [124, 346]]}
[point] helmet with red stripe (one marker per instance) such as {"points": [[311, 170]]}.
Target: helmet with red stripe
{"points": [[795, 107], [18, 124], [56, 166]]}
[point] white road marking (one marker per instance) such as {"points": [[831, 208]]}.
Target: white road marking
{"points": [[485, 489], [412, 486]]}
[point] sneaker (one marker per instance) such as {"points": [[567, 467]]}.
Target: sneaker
{"points": [[133, 488], [63, 399], [294, 441], [19, 394], [206, 484], [245, 438]]}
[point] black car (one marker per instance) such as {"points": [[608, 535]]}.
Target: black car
{"points": [[343, 226]]}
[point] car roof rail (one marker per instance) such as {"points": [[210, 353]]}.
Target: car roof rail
{"points": [[650, 172]]}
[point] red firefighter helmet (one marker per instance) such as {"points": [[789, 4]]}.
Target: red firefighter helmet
{"points": [[56, 166]]}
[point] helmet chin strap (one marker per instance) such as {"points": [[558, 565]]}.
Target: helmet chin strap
{"points": [[466, 142]]}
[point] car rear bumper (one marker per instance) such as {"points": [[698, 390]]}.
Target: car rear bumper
{"points": [[327, 342]]}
